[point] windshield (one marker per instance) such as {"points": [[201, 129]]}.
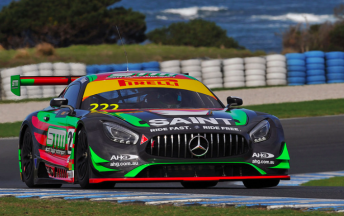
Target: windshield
{"points": [[149, 98]]}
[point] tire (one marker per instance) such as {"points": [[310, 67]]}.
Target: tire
{"points": [[27, 159], [296, 68], [213, 81], [232, 61], [211, 63], [316, 82], [260, 183], [91, 69], [152, 64], [152, 69], [171, 70], [315, 67], [61, 73], [295, 56], [272, 76], [61, 66], [45, 66], [335, 62], [29, 68], [103, 68], [191, 62], [255, 60], [335, 69], [335, 76], [46, 73], [77, 66], [194, 185], [334, 55], [234, 73], [212, 86], [271, 64], [187, 69], [168, 64], [211, 69], [275, 57], [82, 160], [11, 71], [316, 79], [195, 74], [255, 78], [133, 67], [255, 83], [212, 75], [297, 80], [315, 54], [255, 72], [335, 81], [295, 62], [296, 74], [31, 73], [117, 67], [234, 67], [315, 60], [78, 72], [315, 72], [255, 66], [273, 82], [234, 79], [234, 84], [276, 70]]}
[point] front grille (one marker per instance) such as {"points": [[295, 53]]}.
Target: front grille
{"points": [[177, 145], [198, 170]]}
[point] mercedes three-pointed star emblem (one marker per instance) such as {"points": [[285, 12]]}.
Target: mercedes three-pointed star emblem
{"points": [[198, 146]]}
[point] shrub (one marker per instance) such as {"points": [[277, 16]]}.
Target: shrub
{"points": [[21, 54], [45, 49], [27, 23], [195, 33]]}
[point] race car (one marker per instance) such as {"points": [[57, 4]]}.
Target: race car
{"points": [[140, 126]]}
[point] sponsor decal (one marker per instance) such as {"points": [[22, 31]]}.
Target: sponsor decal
{"points": [[147, 82], [124, 157], [143, 139], [119, 164], [104, 106], [190, 120], [59, 141], [220, 128], [255, 161], [119, 75], [15, 84], [262, 155]]}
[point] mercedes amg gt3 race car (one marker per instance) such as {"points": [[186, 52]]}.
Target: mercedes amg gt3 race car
{"points": [[146, 127]]}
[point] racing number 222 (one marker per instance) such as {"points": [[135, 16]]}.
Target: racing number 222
{"points": [[115, 106]]}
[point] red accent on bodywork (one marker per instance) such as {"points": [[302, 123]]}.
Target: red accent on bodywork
{"points": [[217, 178], [55, 159], [41, 139], [38, 124], [143, 139]]}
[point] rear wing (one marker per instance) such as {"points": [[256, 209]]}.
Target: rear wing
{"points": [[17, 81]]}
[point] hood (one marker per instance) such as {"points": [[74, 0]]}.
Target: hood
{"points": [[156, 118]]}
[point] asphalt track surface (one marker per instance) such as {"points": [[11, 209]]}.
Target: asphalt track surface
{"points": [[315, 144]]}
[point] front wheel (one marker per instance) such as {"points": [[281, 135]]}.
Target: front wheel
{"points": [[261, 183], [193, 185], [27, 159], [82, 155]]}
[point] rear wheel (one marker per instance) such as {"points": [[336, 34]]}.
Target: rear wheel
{"points": [[261, 183], [205, 184], [27, 159]]}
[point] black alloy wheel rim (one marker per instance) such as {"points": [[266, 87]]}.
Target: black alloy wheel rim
{"points": [[26, 156], [82, 154]]}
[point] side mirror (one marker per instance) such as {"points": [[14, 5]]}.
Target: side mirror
{"points": [[233, 101], [58, 102]]}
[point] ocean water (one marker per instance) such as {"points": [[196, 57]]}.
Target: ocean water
{"points": [[256, 24]]}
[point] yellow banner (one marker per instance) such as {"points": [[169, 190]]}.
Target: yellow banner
{"points": [[97, 87]]}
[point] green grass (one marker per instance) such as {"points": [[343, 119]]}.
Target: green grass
{"points": [[302, 109], [14, 206], [106, 54], [10, 129], [334, 182]]}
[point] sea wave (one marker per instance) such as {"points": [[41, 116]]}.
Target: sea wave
{"points": [[297, 17], [193, 11]]}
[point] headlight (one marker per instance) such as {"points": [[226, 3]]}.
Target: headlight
{"points": [[259, 132], [120, 134]]}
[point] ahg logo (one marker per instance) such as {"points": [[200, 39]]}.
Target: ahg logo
{"points": [[263, 155]]}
